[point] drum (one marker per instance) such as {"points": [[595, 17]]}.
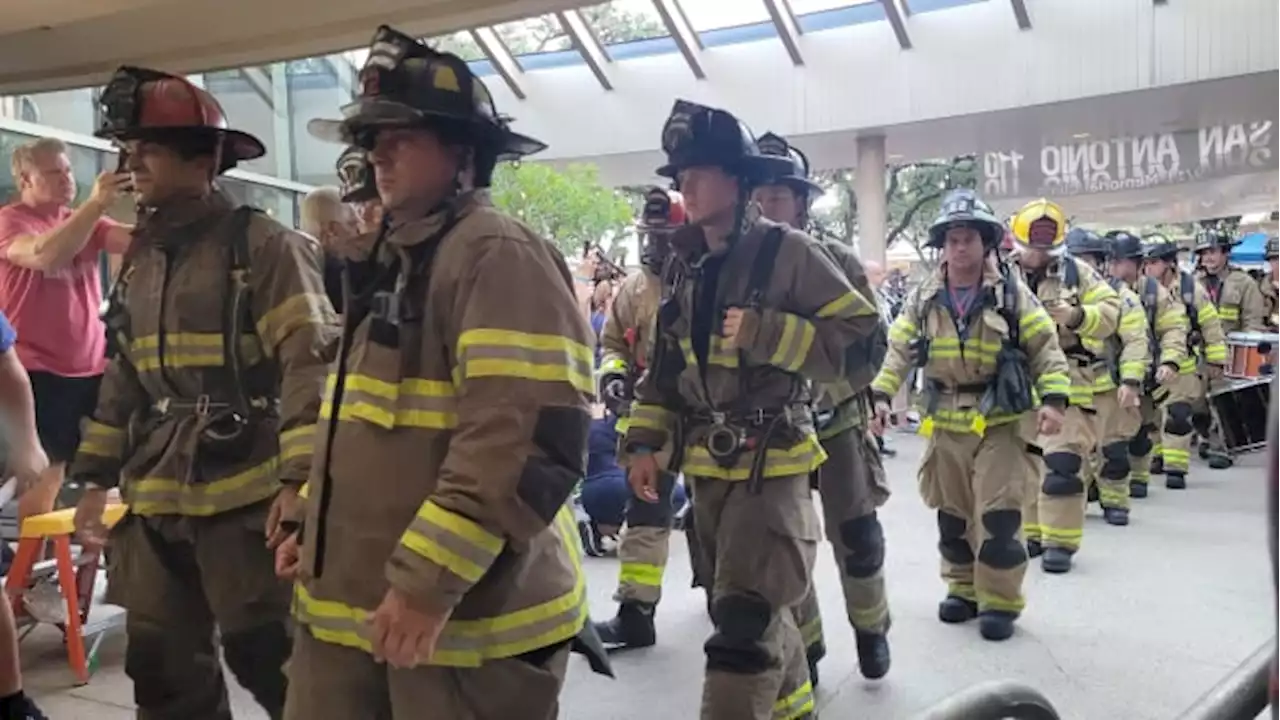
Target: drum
{"points": [[1251, 355], [1241, 408]]}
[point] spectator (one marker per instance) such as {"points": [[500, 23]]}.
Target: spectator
{"points": [[605, 491], [26, 462], [51, 290], [338, 227]]}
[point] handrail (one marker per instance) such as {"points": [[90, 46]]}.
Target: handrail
{"points": [[1243, 694], [996, 700]]}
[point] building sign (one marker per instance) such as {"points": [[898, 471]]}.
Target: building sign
{"points": [[1129, 163]]}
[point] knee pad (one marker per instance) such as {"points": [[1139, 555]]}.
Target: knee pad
{"points": [[1179, 420], [1115, 461], [1062, 476], [1002, 550], [1140, 445], [952, 543], [735, 646], [650, 514], [864, 537], [256, 657]]}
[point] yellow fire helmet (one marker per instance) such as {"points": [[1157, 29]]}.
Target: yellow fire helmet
{"points": [[1040, 224]]}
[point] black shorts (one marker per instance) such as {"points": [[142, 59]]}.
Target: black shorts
{"points": [[61, 404]]}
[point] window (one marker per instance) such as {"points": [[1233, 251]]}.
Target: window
{"points": [[534, 35], [459, 43], [623, 21], [805, 7], [707, 15]]}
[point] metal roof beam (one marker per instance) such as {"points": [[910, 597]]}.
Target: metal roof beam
{"points": [[906, 7], [788, 28], [343, 71], [1020, 12], [897, 19], [260, 82], [683, 33], [588, 45], [501, 58]]}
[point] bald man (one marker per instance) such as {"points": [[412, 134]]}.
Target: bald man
{"points": [[336, 225]]}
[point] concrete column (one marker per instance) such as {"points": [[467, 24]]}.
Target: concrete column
{"points": [[869, 188]]}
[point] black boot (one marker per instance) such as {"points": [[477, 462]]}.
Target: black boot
{"points": [[873, 654], [1175, 480], [954, 610], [1116, 516], [631, 628], [1056, 560], [1034, 548], [1157, 466], [996, 624], [1137, 489], [1220, 461], [1093, 495], [812, 655]]}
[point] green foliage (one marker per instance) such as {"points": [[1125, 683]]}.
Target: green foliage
{"points": [[544, 33], [569, 207]]}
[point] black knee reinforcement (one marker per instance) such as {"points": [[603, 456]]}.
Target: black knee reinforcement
{"points": [[864, 537], [1140, 445], [952, 543], [1115, 461], [1002, 550], [1201, 422], [256, 657], [735, 646], [650, 514], [1062, 476], [1179, 420]]}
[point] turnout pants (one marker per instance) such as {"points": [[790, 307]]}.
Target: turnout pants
{"points": [[1177, 428], [761, 547], [852, 483], [967, 478], [1055, 509], [182, 578], [335, 682], [1111, 465], [644, 545], [1144, 442]]}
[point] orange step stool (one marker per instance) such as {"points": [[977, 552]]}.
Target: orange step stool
{"points": [[58, 526]]}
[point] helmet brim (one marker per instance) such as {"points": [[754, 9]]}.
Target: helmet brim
{"points": [[361, 194], [992, 233], [376, 113], [237, 145], [801, 185], [756, 168]]}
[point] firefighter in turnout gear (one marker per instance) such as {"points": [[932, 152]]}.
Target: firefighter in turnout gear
{"points": [[1241, 308], [1269, 284], [751, 310], [464, 574], [1205, 343], [1087, 311], [1167, 320], [852, 480], [219, 327], [628, 343], [983, 346], [1117, 387]]}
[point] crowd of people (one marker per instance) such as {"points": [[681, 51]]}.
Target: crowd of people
{"points": [[350, 454]]}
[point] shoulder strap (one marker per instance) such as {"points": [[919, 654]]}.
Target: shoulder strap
{"points": [[1187, 285], [1009, 305], [762, 266], [238, 303], [1070, 272]]}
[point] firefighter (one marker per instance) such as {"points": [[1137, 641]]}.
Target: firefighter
{"points": [[1117, 386], [852, 481], [751, 310], [1087, 311], [980, 340], [219, 327], [1167, 320], [1269, 285], [1205, 343], [627, 341], [1241, 308], [438, 538]]}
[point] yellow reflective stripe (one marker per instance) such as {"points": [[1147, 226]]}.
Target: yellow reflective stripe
{"points": [[987, 601], [297, 442], [102, 440], [613, 365], [292, 313], [964, 591], [1216, 353], [1132, 370], [721, 353], [180, 350], [652, 417], [1061, 537], [467, 643], [870, 617], [163, 496], [887, 382], [793, 347], [1033, 322], [1031, 530], [1170, 319], [1053, 383], [1092, 316], [902, 330], [1098, 292], [492, 352], [796, 705], [641, 574], [412, 402], [799, 459], [1230, 314], [456, 543], [851, 304], [1133, 321], [1207, 313], [811, 632], [304, 491], [963, 421]]}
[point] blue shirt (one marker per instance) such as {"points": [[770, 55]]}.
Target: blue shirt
{"points": [[7, 334]]}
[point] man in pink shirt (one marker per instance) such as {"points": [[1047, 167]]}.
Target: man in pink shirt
{"points": [[51, 290]]}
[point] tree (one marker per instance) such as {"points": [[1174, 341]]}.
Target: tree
{"points": [[570, 207], [544, 33]]}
